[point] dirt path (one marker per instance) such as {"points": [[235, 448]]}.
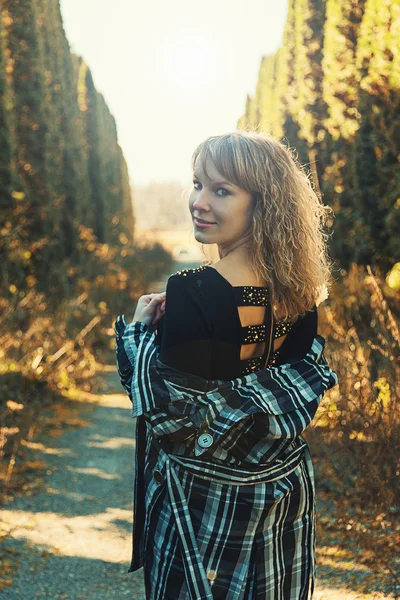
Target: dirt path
{"points": [[71, 539]]}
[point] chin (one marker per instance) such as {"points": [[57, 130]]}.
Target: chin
{"points": [[201, 236], [199, 232]]}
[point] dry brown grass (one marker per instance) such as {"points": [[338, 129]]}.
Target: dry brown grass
{"points": [[355, 437]]}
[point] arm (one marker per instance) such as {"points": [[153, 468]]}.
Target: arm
{"points": [[130, 341], [283, 398], [187, 332], [185, 346]]}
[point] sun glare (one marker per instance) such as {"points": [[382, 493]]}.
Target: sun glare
{"points": [[188, 63]]}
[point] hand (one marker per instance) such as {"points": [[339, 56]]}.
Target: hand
{"points": [[150, 308]]}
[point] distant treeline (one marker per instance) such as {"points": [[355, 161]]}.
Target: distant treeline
{"points": [[61, 167], [333, 92], [162, 206]]}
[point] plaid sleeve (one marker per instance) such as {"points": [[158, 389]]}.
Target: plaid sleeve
{"points": [[288, 395], [283, 399], [131, 341], [136, 353]]}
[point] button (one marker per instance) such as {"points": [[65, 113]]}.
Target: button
{"points": [[158, 477], [205, 440], [211, 575]]}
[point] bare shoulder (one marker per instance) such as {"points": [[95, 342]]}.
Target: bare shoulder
{"points": [[237, 273]]}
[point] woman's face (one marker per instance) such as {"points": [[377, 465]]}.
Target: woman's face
{"points": [[228, 207]]}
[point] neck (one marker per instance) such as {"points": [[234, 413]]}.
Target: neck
{"points": [[240, 250]]}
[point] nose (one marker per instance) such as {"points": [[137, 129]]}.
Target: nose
{"points": [[201, 201]]}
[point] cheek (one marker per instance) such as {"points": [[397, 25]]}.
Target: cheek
{"points": [[239, 215]]}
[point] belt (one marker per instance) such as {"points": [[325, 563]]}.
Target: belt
{"points": [[195, 575]]}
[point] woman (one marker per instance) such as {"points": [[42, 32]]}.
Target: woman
{"points": [[224, 386]]}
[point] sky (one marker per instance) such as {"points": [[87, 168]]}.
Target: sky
{"points": [[172, 72]]}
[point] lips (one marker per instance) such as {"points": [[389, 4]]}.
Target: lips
{"points": [[202, 221]]}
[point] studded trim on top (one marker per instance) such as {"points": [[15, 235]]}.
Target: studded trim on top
{"points": [[272, 360], [250, 295], [186, 272], [254, 364], [282, 328], [249, 365], [254, 333]]}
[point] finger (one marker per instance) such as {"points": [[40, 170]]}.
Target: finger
{"points": [[158, 297]]}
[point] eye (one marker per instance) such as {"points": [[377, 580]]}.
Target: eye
{"points": [[221, 188]]}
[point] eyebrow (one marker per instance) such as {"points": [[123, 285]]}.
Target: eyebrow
{"points": [[215, 182]]}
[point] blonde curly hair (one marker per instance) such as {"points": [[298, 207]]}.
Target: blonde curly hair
{"points": [[289, 249]]}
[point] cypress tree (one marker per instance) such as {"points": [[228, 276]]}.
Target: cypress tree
{"points": [[332, 92]]}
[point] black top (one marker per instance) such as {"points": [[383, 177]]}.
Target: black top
{"points": [[201, 332]]}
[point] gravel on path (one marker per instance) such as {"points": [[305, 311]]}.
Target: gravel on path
{"points": [[72, 539]]}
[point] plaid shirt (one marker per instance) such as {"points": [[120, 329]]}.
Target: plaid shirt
{"points": [[230, 444]]}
